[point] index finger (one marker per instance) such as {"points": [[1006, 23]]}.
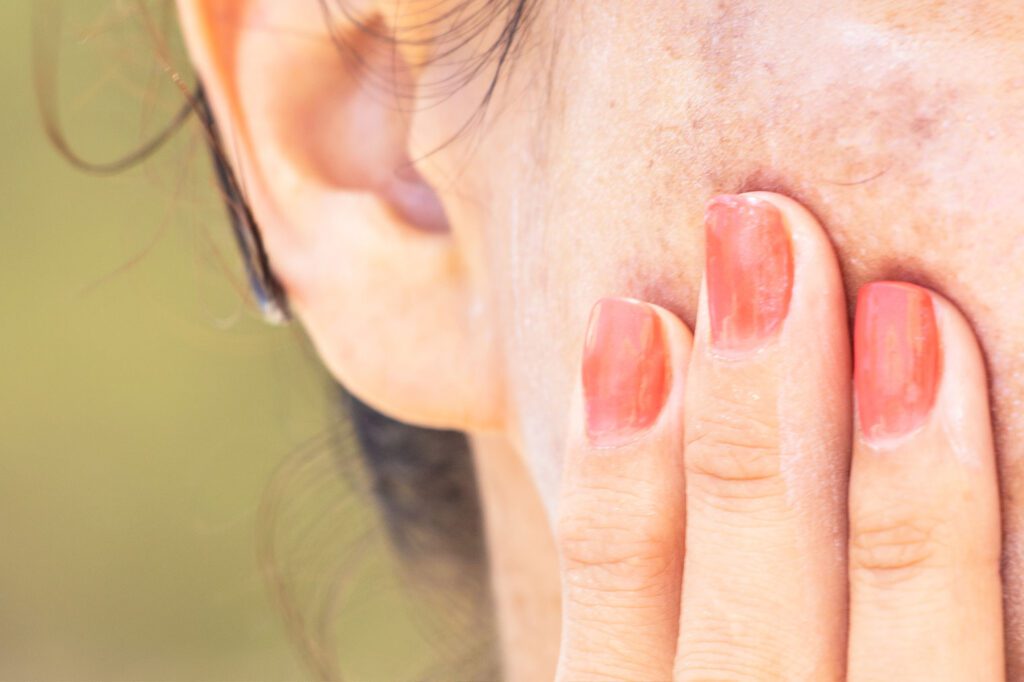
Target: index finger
{"points": [[620, 528]]}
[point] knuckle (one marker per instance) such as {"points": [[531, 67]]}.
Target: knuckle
{"points": [[611, 541], [607, 655], [701, 667], [591, 671], [725, 650], [732, 457], [892, 546]]}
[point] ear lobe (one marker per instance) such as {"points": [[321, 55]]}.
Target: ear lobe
{"points": [[358, 238]]}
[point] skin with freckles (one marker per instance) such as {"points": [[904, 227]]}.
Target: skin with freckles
{"points": [[899, 127], [897, 123], [906, 146]]}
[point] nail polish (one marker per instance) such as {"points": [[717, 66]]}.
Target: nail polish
{"points": [[897, 358], [625, 371], [749, 269]]}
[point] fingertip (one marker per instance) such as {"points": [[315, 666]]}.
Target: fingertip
{"points": [[918, 365], [961, 350], [962, 401], [812, 244], [793, 286], [897, 359], [679, 336], [633, 360], [793, 209]]}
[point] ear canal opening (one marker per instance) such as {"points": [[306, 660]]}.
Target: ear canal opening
{"points": [[410, 196]]}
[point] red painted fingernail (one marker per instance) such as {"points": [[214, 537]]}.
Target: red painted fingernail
{"points": [[625, 371], [897, 358], [749, 271]]}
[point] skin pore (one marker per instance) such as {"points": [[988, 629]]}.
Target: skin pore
{"points": [[896, 122]]}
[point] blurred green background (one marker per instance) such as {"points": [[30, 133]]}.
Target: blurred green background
{"points": [[143, 407]]}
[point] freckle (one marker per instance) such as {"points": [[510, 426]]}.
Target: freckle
{"points": [[923, 127], [672, 51]]}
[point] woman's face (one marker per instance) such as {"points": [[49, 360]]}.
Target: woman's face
{"points": [[900, 123]]}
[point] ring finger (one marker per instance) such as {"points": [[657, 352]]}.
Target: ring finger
{"points": [[925, 595]]}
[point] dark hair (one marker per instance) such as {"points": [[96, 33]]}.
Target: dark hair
{"points": [[317, 541], [423, 481]]}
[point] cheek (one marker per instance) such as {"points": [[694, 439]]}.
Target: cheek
{"points": [[554, 249], [542, 307]]}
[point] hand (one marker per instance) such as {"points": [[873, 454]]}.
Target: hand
{"points": [[713, 524]]}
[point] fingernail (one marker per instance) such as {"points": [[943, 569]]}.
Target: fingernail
{"points": [[749, 271], [625, 371], [897, 360]]}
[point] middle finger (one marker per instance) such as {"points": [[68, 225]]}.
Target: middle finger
{"points": [[767, 450]]}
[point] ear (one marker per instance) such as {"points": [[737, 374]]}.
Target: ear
{"points": [[317, 116]]}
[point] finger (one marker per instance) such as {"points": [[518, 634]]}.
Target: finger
{"points": [[620, 526], [925, 598], [767, 433]]}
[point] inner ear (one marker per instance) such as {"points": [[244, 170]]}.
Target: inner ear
{"points": [[342, 110]]}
